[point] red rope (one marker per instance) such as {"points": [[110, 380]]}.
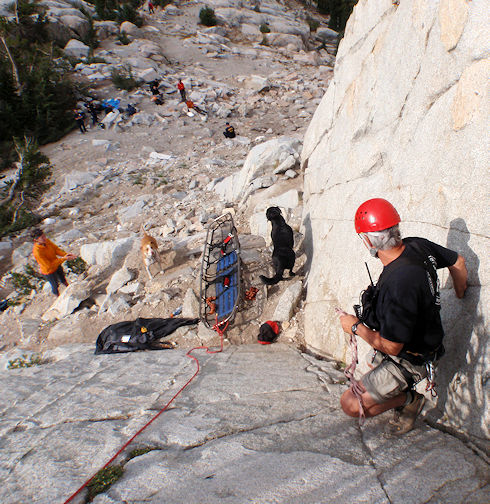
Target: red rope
{"points": [[355, 388], [220, 331]]}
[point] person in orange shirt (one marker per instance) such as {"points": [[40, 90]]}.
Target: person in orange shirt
{"points": [[192, 106], [50, 258]]}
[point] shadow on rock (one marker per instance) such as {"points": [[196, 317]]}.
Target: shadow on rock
{"points": [[460, 397]]}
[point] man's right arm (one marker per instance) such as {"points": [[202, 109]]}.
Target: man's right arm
{"points": [[459, 274], [371, 337]]}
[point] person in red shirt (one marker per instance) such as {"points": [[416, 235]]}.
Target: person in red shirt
{"points": [[181, 88], [50, 258], [151, 9]]}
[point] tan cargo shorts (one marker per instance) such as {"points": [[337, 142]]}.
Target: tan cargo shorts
{"points": [[386, 380]]}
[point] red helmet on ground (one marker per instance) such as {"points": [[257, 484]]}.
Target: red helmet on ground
{"points": [[375, 215]]}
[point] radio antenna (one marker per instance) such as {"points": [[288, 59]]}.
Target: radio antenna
{"points": [[369, 273]]}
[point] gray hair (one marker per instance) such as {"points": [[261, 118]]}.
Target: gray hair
{"points": [[386, 239]]}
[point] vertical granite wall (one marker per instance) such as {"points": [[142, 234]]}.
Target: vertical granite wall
{"points": [[406, 118]]}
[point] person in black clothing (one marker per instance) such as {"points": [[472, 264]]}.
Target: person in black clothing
{"points": [[409, 332], [130, 110], [154, 87], [93, 113], [229, 131], [157, 99], [80, 120]]}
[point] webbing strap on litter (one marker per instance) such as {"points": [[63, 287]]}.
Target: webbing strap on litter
{"points": [[220, 331], [355, 387]]}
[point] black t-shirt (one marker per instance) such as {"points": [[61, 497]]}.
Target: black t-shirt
{"points": [[406, 307]]}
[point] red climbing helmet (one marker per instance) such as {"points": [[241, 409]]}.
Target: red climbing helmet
{"points": [[375, 215]]}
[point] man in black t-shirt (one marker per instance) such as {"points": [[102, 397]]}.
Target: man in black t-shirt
{"points": [[409, 331]]}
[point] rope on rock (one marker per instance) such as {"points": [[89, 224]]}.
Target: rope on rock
{"points": [[220, 331]]}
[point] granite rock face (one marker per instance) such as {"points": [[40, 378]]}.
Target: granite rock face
{"points": [[256, 425], [417, 137]]}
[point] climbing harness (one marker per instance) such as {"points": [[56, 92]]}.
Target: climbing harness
{"points": [[355, 387], [220, 272]]}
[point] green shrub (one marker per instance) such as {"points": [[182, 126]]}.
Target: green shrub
{"points": [[24, 283], [24, 219], [264, 28], [19, 196], [77, 265], [128, 12], [103, 480], [137, 179], [94, 59], [137, 452], [161, 3], [25, 361], [36, 94], [90, 39], [123, 78], [123, 38], [106, 9], [207, 16], [339, 11], [313, 24]]}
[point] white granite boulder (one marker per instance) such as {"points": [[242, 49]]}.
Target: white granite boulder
{"points": [[190, 305], [21, 253], [78, 23], [289, 162], [106, 29], [288, 302], [262, 160], [119, 279], [68, 300], [129, 28], [106, 253], [256, 83], [77, 179], [5, 249], [77, 49], [129, 213], [148, 75], [285, 40], [114, 304]]}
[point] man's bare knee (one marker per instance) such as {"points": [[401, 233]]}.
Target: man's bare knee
{"points": [[350, 404]]}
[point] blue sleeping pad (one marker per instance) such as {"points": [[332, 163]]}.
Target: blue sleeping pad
{"points": [[111, 102], [226, 296]]}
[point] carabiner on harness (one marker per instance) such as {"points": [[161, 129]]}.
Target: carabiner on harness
{"points": [[431, 384]]}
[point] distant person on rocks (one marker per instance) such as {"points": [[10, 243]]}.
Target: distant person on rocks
{"points": [[80, 120], [181, 88], [157, 99], [151, 8], [50, 258], [130, 110], [93, 113], [154, 87], [192, 106], [229, 131]]}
